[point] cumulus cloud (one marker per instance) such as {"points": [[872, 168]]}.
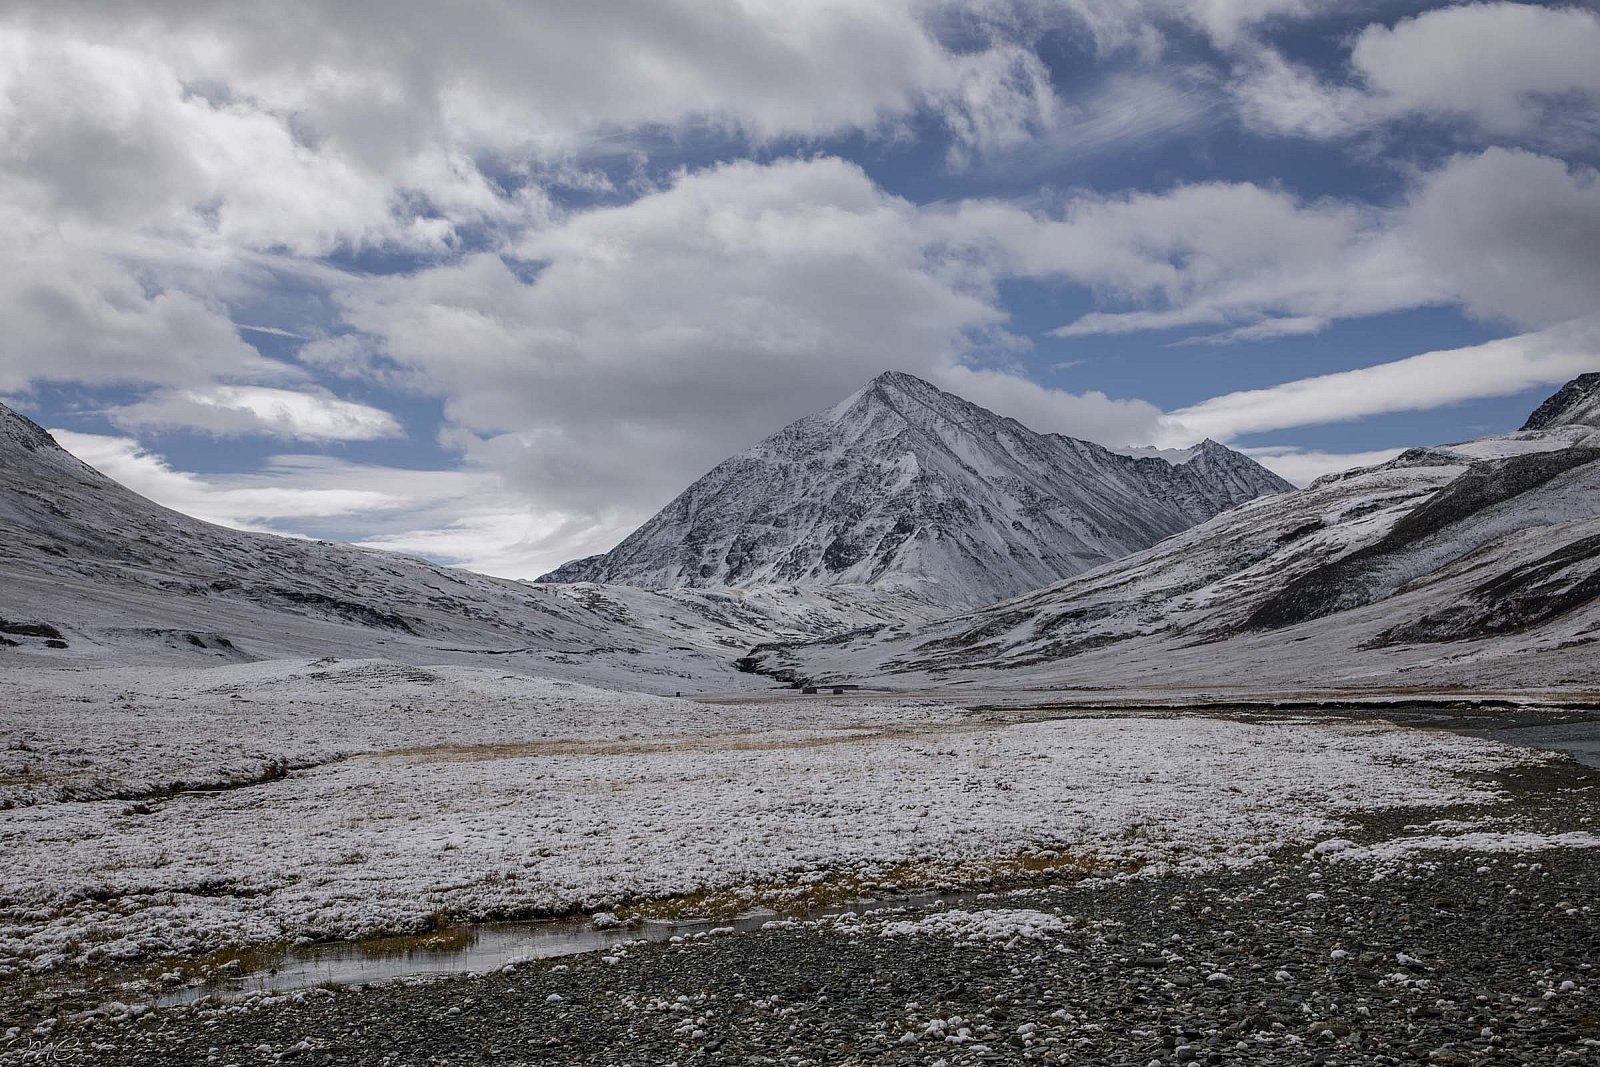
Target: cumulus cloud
{"points": [[234, 409], [1515, 235], [1418, 383], [393, 89], [1501, 70], [152, 153], [1506, 234], [72, 313], [1497, 65], [111, 133], [1254, 261], [656, 338]]}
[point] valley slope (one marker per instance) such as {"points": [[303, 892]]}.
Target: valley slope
{"points": [[1472, 565], [92, 573]]}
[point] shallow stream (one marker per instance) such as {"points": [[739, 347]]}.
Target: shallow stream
{"points": [[487, 947], [1580, 740]]}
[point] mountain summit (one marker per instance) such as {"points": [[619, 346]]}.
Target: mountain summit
{"points": [[1575, 404], [907, 487]]}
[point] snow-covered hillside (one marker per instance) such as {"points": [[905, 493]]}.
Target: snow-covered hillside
{"points": [[904, 486], [91, 572], [1470, 564]]}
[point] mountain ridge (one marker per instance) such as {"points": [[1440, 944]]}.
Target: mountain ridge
{"points": [[1576, 403], [905, 486], [1463, 564]]}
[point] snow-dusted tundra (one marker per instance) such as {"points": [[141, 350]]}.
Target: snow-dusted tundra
{"points": [[209, 736], [154, 812]]}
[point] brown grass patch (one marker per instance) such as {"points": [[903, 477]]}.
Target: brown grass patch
{"points": [[730, 741], [835, 888]]}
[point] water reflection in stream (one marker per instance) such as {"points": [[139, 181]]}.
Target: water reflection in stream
{"points": [[486, 947]]}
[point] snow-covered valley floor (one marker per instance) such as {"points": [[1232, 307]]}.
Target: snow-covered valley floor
{"points": [[341, 799]]}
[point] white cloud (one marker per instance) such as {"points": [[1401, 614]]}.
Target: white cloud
{"points": [[70, 312], [1227, 21], [151, 153], [277, 104], [464, 517], [1144, 25], [658, 337], [1259, 262], [1498, 65], [106, 133], [235, 409], [1521, 71], [1129, 111], [1516, 235], [249, 502], [1505, 234], [1092, 416], [1276, 95], [1265, 330], [1001, 100], [1418, 383], [1302, 465]]}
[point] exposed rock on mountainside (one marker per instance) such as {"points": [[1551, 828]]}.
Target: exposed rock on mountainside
{"points": [[1576, 404], [1464, 564], [904, 486], [1380, 568]]}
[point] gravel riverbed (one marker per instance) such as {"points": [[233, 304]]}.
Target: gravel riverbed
{"points": [[1452, 956]]}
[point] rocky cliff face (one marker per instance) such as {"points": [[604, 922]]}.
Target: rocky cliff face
{"points": [[907, 487], [1576, 404]]}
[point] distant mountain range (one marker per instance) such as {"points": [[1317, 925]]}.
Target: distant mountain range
{"points": [[903, 486], [1475, 564]]}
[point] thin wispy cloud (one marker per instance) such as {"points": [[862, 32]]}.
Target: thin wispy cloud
{"points": [[1417, 383]]}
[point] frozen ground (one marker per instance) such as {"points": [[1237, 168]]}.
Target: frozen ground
{"points": [[370, 797], [137, 733]]}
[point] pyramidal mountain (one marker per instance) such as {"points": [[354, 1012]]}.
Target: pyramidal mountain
{"points": [[904, 486]]}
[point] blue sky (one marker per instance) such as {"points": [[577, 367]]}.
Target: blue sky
{"points": [[492, 287]]}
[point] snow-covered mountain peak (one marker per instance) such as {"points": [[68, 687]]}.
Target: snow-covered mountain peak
{"points": [[22, 434], [905, 486], [894, 401], [24, 442], [1575, 404]]}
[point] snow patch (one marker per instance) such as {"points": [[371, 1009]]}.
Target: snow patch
{"points": [[999, 926]]}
